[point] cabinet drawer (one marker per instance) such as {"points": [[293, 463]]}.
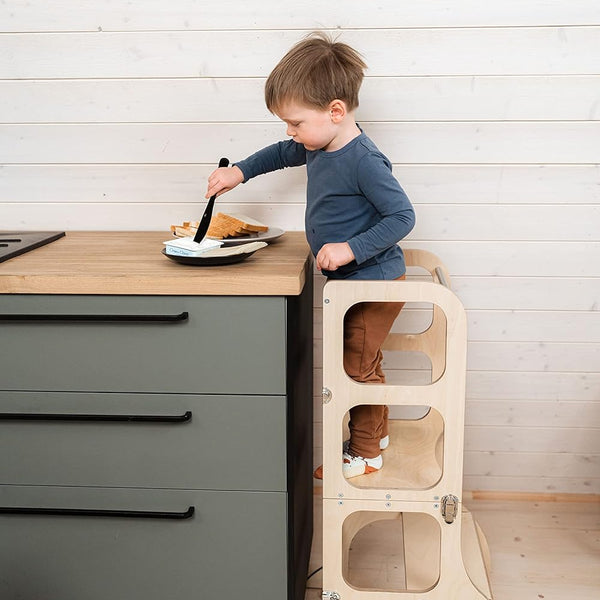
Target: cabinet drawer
{"points": [[233, 546], [143, 440], [183, 344]]}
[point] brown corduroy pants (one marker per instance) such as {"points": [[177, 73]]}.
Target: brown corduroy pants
{"points": [[366, 325]]}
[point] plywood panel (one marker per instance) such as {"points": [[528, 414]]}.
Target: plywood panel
{"points": [[124, 216], [532, 464], [528, 293], [482, 98], [530, 439], [503, 223], [544, 326], [200, 143], [253, 53], [509, 259], [163, 184], [544, 413], [558, 185], [72, 15], [500, 385], [534, 356], [544, 485], [500, 184]]}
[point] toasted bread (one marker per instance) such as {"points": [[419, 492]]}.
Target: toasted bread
{"points": [[222, 226], [227, 225]]}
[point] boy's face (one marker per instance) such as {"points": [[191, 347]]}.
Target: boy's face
{"points": [[313, 128]]}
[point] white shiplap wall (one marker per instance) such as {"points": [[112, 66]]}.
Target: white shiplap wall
{"points": [[112, 114]]}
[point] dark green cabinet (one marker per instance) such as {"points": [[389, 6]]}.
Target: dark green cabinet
{"points": [[155, 447]]}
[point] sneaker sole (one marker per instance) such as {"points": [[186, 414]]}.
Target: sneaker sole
{"points": [[358, 471], [318, 473]]}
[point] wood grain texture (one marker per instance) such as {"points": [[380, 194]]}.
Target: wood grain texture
{"points": [[170, 185], [240, 99], [114, 113], [541, 546], [422, 142], [71, 15], [224, 53], [132, 263]]}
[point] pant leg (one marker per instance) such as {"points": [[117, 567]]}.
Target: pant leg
{"points": [[366, 325], [384, 429]]}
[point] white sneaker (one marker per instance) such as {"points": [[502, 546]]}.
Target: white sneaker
{"points": [[354, 466], [384, 442]]}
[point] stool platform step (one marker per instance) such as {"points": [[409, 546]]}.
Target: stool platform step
{"points": [[413, 460]]}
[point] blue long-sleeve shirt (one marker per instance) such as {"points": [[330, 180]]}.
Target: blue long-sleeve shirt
{"points": [[351, 197]]}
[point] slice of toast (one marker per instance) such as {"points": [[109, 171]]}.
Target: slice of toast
{"points": [[179, 231], [249, 223], [222, 226], [228, 225]]}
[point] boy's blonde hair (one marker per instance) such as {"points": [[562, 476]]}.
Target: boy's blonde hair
{"points": [[314, 72]]}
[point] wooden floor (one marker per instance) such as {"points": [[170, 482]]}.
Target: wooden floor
{"points": [[539, 550]]}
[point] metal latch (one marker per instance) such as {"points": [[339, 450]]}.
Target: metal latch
{"points": [[326, 395], [330, 595], [449, 508]]}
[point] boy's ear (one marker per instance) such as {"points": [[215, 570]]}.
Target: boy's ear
{"points": [[337, 110]]}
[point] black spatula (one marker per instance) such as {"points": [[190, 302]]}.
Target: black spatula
{"points": [[206, 217]]}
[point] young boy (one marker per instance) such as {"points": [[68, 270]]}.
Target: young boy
{"points": [[356, 212]]}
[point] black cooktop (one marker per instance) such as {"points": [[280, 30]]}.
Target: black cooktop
{"points": [[13, 243]]}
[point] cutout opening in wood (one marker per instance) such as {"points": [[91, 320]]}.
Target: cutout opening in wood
{"points": [[391, 551], [414, 457], [412, 353]]}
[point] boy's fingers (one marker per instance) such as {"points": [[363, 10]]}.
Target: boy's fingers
{"points": [[322, 262], [213, 188], [214, 183]]}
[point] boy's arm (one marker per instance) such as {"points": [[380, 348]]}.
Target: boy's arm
{"points": [[274, 157], [383, 191]]}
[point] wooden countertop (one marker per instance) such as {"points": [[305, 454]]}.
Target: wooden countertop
{"points": [[118, 262]]}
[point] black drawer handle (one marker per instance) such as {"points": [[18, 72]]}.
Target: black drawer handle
{"points": [[84, 512], [183, 316], [184, 418]]}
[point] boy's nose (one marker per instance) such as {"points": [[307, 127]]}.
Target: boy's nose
{"points": [[291, 131]]}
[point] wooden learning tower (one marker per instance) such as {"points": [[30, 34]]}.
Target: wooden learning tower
{"points": [[420, 485]]}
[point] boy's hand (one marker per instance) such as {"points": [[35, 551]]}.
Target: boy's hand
{"points": [[332, 256], [223, 179]]}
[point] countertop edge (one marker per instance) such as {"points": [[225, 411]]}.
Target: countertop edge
{"points": [[281, 269]]}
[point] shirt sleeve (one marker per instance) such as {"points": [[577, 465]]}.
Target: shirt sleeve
{"points": [[382, 190], [272, 158]]}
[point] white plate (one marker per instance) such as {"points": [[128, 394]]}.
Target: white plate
{"points": [[262, 236], [217, 256]]}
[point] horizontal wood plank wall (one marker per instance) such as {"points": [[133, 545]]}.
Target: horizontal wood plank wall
{"points": [[112, 115]]}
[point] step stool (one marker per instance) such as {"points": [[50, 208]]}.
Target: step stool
{"points": [[445, 553]]}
